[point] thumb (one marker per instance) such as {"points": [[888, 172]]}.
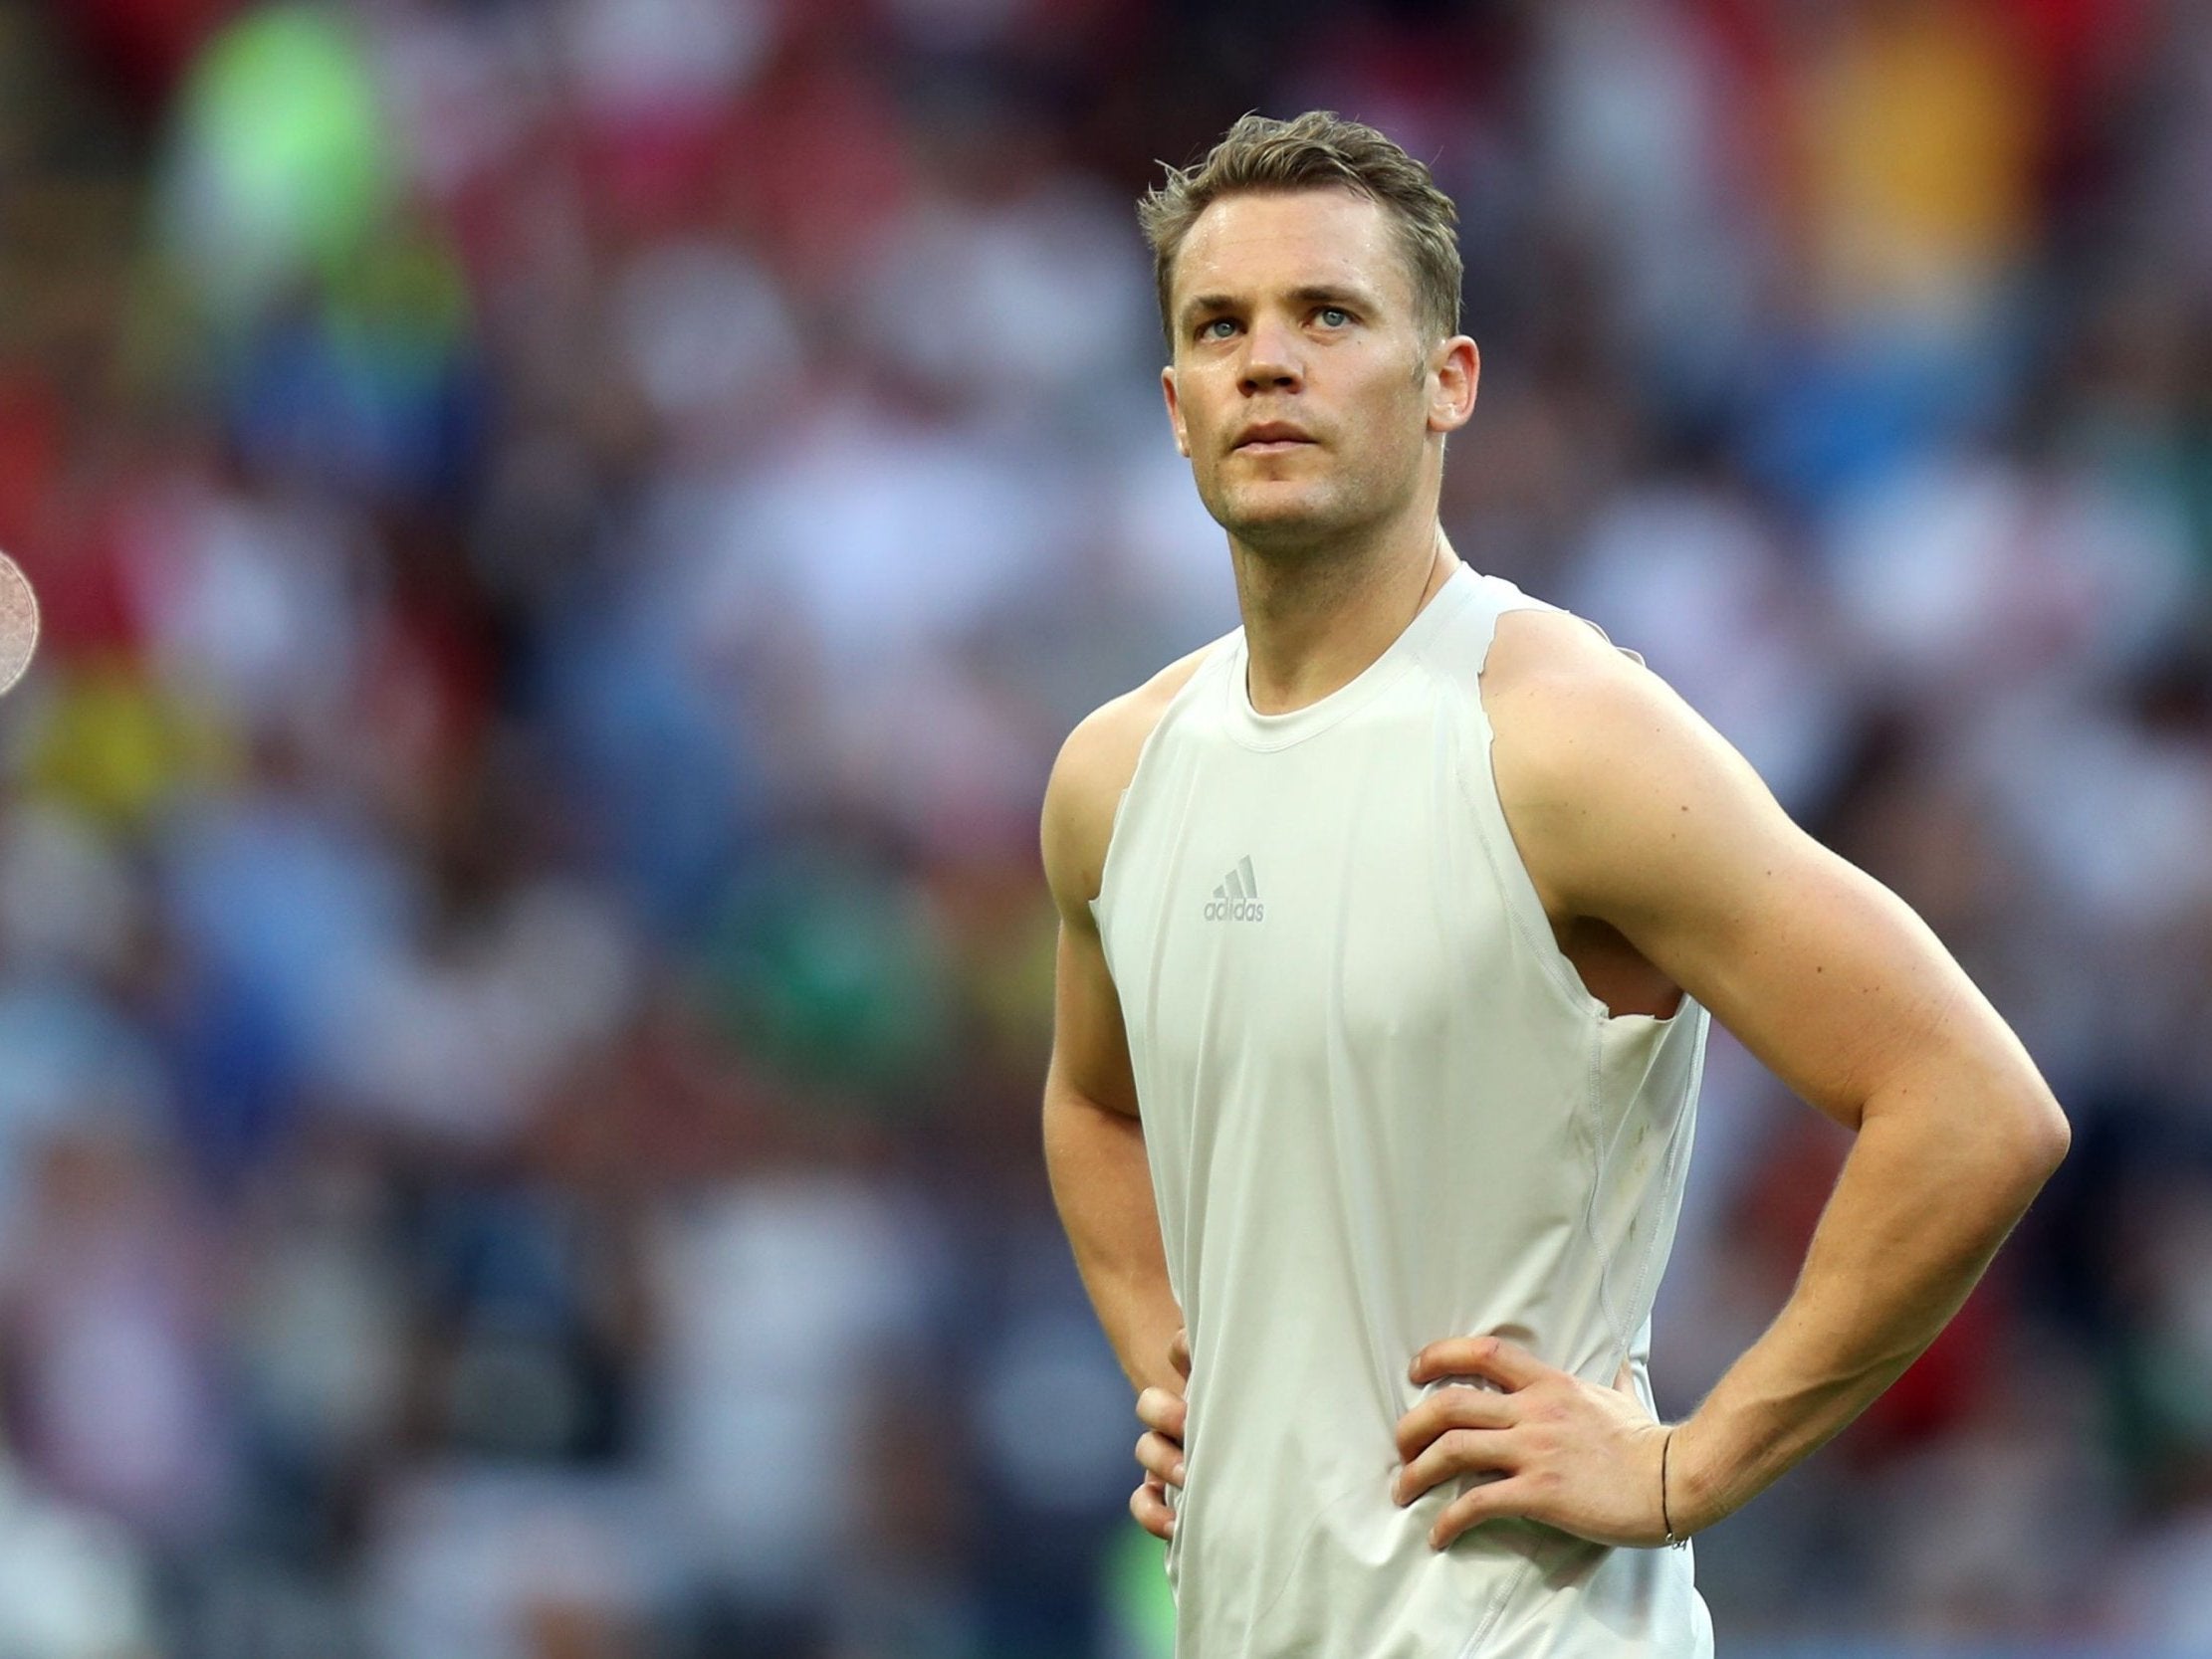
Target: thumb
{"points": [[1625, 1384]]}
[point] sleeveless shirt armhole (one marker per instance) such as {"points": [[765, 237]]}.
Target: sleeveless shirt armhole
{"points": [[1471, 749], [1516, 889], [1211, 654]]}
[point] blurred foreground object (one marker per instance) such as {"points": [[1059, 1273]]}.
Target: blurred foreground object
{"points": [[19, 623]]}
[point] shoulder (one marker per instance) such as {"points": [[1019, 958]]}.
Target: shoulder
{"points": [[1095, 766], [1599, 761], [1554, 683]]}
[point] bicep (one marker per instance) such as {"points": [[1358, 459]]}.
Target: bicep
{"points": [[1090, 1048], [1643, 817], [1820, 971]]}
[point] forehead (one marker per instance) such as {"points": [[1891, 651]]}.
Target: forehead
{"points": [[1259, 243]]}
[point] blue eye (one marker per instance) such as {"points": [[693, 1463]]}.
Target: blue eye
{"points": [[1335, 316], [1206, 329]]}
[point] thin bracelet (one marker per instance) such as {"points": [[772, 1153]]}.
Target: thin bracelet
{"points": [[1665, 1520]]}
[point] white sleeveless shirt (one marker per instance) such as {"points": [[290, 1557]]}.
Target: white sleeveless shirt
{"points": [[1381, 1109]]}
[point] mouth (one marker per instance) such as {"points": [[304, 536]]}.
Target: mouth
{"points": [[1272, 440]]}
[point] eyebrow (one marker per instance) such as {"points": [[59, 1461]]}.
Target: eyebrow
{"points": [[1311, 293]]}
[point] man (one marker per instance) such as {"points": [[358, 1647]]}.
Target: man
{"points": [[1389, 925]]}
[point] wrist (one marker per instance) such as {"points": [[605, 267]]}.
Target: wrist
{"points": [[1691, 1494]]}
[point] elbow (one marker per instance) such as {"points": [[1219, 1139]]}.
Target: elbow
{"points": [[2039, 1146], [2057, 1138]]}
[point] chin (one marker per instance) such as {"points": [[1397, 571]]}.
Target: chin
{"points": [[1290, 520]]}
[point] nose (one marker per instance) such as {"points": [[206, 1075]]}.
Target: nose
{"points": [[1272, 358]]}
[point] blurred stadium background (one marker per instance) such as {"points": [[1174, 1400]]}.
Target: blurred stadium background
{"points": [[570, 533]]}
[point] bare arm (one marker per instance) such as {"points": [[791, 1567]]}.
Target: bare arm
{"points": [[1094, 1145], [1629, 811], [1094, 1153], [1632, 811]]}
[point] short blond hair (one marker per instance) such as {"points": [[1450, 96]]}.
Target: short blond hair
{"points": [[1315, 151]]}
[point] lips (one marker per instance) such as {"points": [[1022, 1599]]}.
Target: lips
{"points": [[1270, 436]]}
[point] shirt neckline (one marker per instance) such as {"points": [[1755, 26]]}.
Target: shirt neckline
{"points": [[1257, 730]]}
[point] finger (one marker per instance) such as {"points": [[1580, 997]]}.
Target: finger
{"points": [[1450, 1408], [1625, 1382], [1492, 1500], [1162, 1457], [1508, 1364], [1461, 1451], [1179, 1351], [1161, 1412], [1149, 1505]]}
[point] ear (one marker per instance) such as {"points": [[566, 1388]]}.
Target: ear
{"points": [[1175, 412], [1455, 370]]}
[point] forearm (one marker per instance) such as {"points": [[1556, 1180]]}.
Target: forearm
{"points": [[1104, 1188], [1917, 1213]]}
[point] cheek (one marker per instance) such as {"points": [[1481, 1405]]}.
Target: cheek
{"points": [[1397, 428]]}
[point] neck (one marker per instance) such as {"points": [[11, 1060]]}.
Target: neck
{"points": [[1314, 620]]}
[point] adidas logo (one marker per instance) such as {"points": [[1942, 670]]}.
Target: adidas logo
{"points": [[1237, 898]]}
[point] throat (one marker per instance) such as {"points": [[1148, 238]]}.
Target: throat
{"points": [[1312, 629]]}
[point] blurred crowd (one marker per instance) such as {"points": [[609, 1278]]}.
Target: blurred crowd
{"points": [[571, 531]]}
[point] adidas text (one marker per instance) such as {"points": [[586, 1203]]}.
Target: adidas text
{"points": [[1237, 898]]}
